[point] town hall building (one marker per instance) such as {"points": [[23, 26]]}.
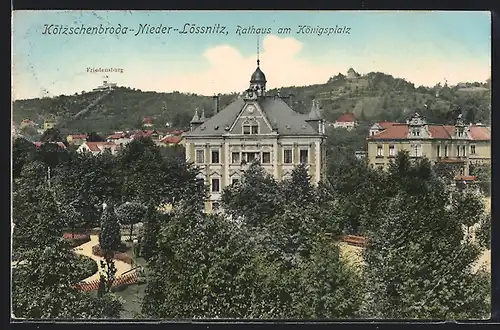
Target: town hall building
{"points": [[255, 126]]}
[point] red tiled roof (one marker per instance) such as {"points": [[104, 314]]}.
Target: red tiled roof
{"points": [[96, 146], [400, 131], [60, 144], [172, 139], [79, 136], [346, 118], [395, 131], [148, 120], [117, 136], [386, 124], [480, 133], [465, 178], [176, 132]]}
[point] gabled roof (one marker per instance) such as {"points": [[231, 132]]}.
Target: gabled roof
{"points": [[397, 131], [278, 113], [480, 133], [172, 139], [346, 118], [60, 144], [99, 146]]}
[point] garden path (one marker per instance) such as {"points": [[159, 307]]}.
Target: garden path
{"points": [[86, 250]]}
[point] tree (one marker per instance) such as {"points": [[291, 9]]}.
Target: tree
{"points": [[419, 262], [85, 181], [130, 214], [483, 233], [43, 287], [22, 153], [151, 231], [206, 257], [254, 198], [109, 236], [329, 288], [298, 188], [94, 137], [52, 135]]}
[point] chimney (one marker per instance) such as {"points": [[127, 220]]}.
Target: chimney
{"points": [[216, 103]]}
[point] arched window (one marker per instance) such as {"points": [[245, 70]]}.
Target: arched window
{"points": [[250, 127]]}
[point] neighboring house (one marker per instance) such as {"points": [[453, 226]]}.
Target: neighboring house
{"points": [[347, 121], [119, 138], [27, 123], [98, 147], [171, 141], [255, 126], [76, 139], [457, 144], [49, 123], [147, 122], [39, 144], [153, 134]]}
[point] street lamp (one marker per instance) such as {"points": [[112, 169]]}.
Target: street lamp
{"points": [[134, 247]]}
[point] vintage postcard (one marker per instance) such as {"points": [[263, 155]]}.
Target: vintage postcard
{"points": [[315, 165]]}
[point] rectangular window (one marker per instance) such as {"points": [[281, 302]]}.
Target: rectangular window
{"points": [[255, 129], [472, 149], [246, 129], [215, 156], [215, 185], [235, 157], [392, 151], [287, 156], [266, 157], [458, 151], [464, 151], [446, 151], [249, 156], [416, 150], [438, 151], [304, 156], [200, 156], [380, 151], [215, 207]]}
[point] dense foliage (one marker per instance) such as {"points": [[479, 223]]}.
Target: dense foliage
{"points": [[273, 252]]}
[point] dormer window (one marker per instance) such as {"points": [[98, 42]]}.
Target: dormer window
{"points": [[250, 128]]}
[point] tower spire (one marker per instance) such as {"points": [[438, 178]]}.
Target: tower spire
{"points": [[258, 59]]}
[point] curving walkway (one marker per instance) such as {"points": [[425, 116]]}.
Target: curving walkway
{"points": [[86, 250]]}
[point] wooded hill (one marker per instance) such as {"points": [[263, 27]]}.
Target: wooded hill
{"points": [[371, 97]]}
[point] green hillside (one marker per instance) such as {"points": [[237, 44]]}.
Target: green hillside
{"points": [[372, 97]]}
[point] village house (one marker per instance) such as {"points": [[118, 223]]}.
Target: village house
{"points": [[147, 122], [171, 140], [119, 138], [347, 121], [254, 127], [50, 122], [459, 144], [59, 144], [96, 148], [27, 123], [76, 139]]}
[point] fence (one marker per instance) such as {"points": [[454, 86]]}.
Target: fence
{"points": [[128, 279], [359, 241]]}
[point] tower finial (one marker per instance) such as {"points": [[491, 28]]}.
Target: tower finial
{"points": [[258, 59]]}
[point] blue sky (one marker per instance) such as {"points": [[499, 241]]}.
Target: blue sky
{"points": [[422, 47]]}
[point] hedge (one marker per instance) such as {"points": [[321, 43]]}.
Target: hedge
{"points": [[96, 250]]}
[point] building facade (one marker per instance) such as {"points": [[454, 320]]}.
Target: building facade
{"points": [[347, 121], [457, 144], [259, 127]]}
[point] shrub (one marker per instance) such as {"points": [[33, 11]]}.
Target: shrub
{"points": [[96, 250], [78, 239], [88, 266]]}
